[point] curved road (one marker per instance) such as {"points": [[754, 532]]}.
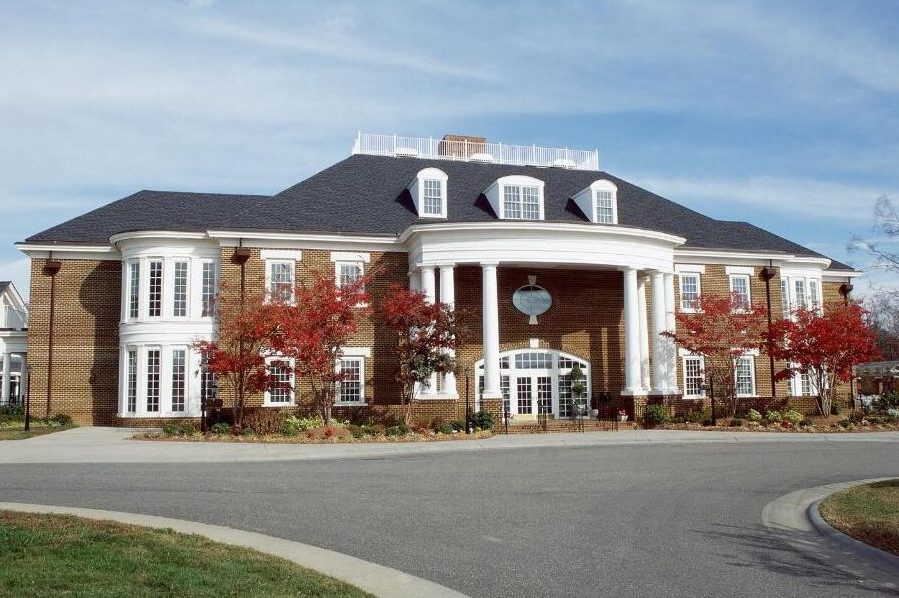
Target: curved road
{"points": [[627, 520]]}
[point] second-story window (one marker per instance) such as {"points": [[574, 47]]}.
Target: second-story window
{"points": [[689, 290], [179, 287], [785, 297], [280, 279], [208, 290], [134, 289], [521, 202], [155, 294], [801, 299], [739, 288], [432, 197], [348, 273]]}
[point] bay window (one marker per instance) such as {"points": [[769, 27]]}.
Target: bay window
{"points": [[179, 380], [154, 296], [207, 292], [133, 289], [154, 358], [179, 290]]}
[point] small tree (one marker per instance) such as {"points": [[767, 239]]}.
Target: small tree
{"points": [[425, 334], [238, 353], [721, 330], [578, 387], [315, 325], [825, 346]]}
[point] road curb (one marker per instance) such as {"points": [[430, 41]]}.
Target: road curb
{"points": [[795, 518], [375, 579]]}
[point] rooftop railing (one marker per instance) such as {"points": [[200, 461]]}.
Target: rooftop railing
{"points": [[12, 318], [469, 150]]}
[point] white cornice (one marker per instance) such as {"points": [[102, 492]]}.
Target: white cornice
{"points": [[250, 236], [588, 228], [70, 251], [722, 256], [155, 234]]}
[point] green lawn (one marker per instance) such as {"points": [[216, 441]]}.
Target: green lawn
{"points": [[19, 433], [53, 555], [868, 513]]}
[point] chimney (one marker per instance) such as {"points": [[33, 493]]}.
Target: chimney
{"points": [[461, 146]]}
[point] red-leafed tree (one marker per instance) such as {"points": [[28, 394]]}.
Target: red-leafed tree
{"points": [[721, 329], [825, 345], [315, 325], [238, 354], [426, 332]]}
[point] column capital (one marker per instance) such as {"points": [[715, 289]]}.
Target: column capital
{"points": [[489, 264]]}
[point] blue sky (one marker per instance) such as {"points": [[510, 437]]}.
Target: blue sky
{"points": [[782, 114]]}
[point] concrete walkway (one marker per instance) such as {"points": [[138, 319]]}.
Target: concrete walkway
{"points": [[374, 579], [115, 445]]}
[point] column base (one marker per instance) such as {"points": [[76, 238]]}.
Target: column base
{"points": [[634, 392]]}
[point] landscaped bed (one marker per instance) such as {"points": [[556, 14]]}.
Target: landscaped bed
{"points": [[869, 513], [12, 424], [305, 430], [55, 555]]}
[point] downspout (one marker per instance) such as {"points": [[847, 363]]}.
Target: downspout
{"points": [[768, 274], [51, 267], [241, 255]]}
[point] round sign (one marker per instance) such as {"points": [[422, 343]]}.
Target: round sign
{"points": [[532, 301]]}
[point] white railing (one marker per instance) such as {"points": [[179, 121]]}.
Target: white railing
{"points": [[12, 318], [474, 151]]}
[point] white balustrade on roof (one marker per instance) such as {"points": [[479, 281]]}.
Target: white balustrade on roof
{"points": [[470, 150]]}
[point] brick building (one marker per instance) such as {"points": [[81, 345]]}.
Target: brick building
{"points": [[552, 261]]}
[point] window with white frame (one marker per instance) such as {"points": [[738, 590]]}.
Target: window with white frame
{"points": [[155, 292], [179, 380], [179, 289], [800, 291], [739, 288], [154, 364], [804, 384], [521, 202], [801, 299], [814, 299], [694, 376], [352, 386], [432, 197], [208, 288], [280, 391], [689, 290], [605, 208], [133, 289], [208, 382], [785, 296], [348, 272], [280, 279], [131, 382], [744, 376]]}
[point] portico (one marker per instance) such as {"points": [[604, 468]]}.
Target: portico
{"points": [[632, 261]]}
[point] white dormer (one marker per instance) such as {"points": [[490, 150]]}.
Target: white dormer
{"points": [[516, 197], [599, 202], [428, 190]]}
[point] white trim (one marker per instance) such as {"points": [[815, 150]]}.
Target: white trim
{"points": [[741, 276], [356, 352], [739, 270], [684, 356], [251, 238], [495, 192], [69, 252], [350, 256], [680, 286], [689, 268], [840, 276], [586, 200], [755, 391], [416, 190], [536, 225], [363, 400], [281, 254], [266, 401]]}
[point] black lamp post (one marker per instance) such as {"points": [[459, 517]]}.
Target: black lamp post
{"points": [[710, 387], [467, 373]]}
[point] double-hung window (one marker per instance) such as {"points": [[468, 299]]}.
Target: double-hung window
{"points": [[814, 301], [801, 299], [154, 359], [352, 384], [280, 279], [179, 380], [348, 272], [744, 376], [131, 382], [689, 290], [521, 202], [154, 299], [785, 296], [179, 289], [207, 292], [280, 391], [133, 289], [605, 211], [432, 197], [694, 376], [739, 288]]}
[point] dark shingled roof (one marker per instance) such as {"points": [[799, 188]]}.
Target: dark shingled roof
{"points": [[367, 195]]}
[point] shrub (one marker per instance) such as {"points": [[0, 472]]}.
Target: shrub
{"points": [[806, 423], [887, 401], [708, 422], [698, 415], [458, 425], [678, 419], [12, 411], [846, 424], [735, 422], [792, 416], [247, 431], [444, 428], [773, 416], [220, 428], [754, 416], [291, 426], [398, 430], [61, 419], [171, 429], [179, 429], [483, 420], [655, 415], [835, 408], [329, 432]]}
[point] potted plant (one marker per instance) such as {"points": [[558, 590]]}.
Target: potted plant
{"points": [[578, 388]]}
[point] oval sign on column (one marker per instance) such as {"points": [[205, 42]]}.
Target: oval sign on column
{"points": [[532, 300]]}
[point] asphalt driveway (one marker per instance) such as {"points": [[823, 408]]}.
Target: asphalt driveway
{"points": [[628, 520]]}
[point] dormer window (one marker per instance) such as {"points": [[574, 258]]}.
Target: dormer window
{"points": [[428, 191], [599, 202], [516, 198]]}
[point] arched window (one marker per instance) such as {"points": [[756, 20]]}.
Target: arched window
{"points": [[599, 202]]}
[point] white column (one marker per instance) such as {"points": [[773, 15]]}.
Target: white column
{"points": [[414, 280], [671, 325], [7, 370], [633, 383], [448, 296], [429, 287], [490, 312], [23, 378], [644, 333], [659, 343]]}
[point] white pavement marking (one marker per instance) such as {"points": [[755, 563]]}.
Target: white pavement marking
{"points": [[375, 579], [794, 517], [114, 445]]}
